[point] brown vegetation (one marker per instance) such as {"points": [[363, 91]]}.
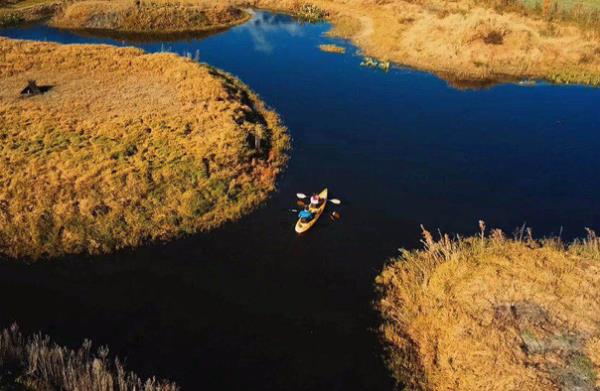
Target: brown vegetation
{"points": [[37, 364], [492, 313], [146, 16], [13, 12], [125, 147], [332, 49], [468, 40]]}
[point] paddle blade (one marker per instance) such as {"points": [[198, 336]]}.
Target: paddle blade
{"points": [[300, 204], [335, 201], [301, 195], [335, 216]]}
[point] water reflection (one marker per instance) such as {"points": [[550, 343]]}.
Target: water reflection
{"points": [[264, 24]]}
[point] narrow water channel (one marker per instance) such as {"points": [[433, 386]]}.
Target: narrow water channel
{"points": [[252, 305]]}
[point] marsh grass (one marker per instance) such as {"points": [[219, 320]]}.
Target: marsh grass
{"points": [[309, 13], [36, 363], [146, 16], [105, 160], [583, 14], [330, 48], [490, 312], [18, 12], [9, 19], [469, 40]]}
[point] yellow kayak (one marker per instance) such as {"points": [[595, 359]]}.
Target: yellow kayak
{"points": [[305, 226]]}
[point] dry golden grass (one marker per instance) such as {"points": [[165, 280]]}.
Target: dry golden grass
{"points": [[35, 363], [467, 40], [148, 16], [332, 49], [125, 147], [490, 313], [18, 11], [463, 40]]}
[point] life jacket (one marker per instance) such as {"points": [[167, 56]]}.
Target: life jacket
{"points": [[305, 214]]}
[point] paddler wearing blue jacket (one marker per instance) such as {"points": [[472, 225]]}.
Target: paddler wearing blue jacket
{"points": [[306, 215]]}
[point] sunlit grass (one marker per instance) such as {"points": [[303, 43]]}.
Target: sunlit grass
{"points": [[15, 12], [146, 16], [489, 312], [330, 48], [309, 12], [106, 159], [470, 40]]}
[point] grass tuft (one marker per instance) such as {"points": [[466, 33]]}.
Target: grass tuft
{"points": [[332, 49], [146, 16]]}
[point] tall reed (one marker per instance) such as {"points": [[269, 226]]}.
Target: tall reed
{"points": [[37, 363]]}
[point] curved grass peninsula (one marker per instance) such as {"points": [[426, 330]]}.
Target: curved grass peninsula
{"points": [[125, 147], [160, 17], [486, 313]]}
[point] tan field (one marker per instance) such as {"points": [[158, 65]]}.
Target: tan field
{"points": [[487, 312], [125, 147], [126, 16]]}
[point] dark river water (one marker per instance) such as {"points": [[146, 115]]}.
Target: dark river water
{"points": [[252, 305]]}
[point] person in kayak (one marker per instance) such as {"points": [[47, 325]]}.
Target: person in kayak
{"points": [[306, 215], [315, 200]]}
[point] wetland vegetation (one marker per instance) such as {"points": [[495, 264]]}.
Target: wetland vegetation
{"points": [[491, 312], [330, 48], [557, 41], [146, 16], [35, 363], [105, 160]]}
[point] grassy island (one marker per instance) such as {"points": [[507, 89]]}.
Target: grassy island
{"points": [[487, 312], [332, 49], [125, 147], [162, 17]]}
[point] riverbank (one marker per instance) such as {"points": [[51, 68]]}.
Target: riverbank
{"points": [[464, 42], [34, 363], [487, 312], [467, 41], [147, 17], [104, 160], [14, 12]]}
